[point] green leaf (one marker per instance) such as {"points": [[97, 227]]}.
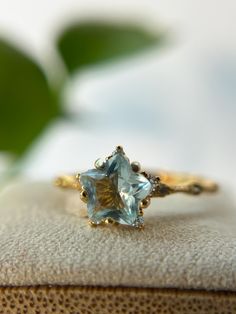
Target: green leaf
{"points": [[89, 43], [26, 102]]}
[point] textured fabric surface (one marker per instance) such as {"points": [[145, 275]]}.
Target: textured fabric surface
{"points": [[188, 242], [89, 300]]}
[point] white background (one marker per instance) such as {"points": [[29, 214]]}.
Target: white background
{"points": [[171, 108]]}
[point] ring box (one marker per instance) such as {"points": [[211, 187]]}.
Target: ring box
{"points": [[52, 261]]}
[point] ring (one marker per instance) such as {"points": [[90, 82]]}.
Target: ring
{"points": [[116, 191]]}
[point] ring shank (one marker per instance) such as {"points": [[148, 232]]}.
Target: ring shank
{"points": [[68, 182], [174, 182], [170, 182]]}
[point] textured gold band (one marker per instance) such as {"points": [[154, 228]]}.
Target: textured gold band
{"points": [[174, 182], [169, 183]]}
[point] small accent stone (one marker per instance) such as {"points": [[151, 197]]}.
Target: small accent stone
{"points": [[139, 222]]}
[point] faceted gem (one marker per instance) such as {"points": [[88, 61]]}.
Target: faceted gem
{"points": [[115, 191]]}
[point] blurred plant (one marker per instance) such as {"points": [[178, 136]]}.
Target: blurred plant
{"points": [[27, 100]]}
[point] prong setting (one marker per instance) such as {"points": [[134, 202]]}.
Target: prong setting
{"points": [[99, 163], [84, 195], [140, 211], [110, 221], [145, 203], [136, 167], [115, 185], [119, 149], [92, 224]]}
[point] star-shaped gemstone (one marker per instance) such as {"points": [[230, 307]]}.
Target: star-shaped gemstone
{"points": [[115, 191]]}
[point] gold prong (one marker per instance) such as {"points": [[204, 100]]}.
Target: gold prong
{"points": [[135, 166], [145, 203], [144, 173], [110, 221], [99, 163], [77, 176], [120, 149], [140, 211], [84, 196], [92, 224], [108, 157]]}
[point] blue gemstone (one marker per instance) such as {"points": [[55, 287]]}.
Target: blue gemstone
{"points": [[115, 191]]}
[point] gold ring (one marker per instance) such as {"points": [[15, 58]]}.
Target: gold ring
{"points": [[116, 191]]}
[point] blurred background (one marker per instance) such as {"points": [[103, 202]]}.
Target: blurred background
{"points": [[79, 77]]}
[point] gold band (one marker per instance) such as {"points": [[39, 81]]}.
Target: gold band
{"points": [[68, 182], [169, 183], [173, 182]]}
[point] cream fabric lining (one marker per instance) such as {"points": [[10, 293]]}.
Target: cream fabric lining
{"points": [[188, 242]]}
